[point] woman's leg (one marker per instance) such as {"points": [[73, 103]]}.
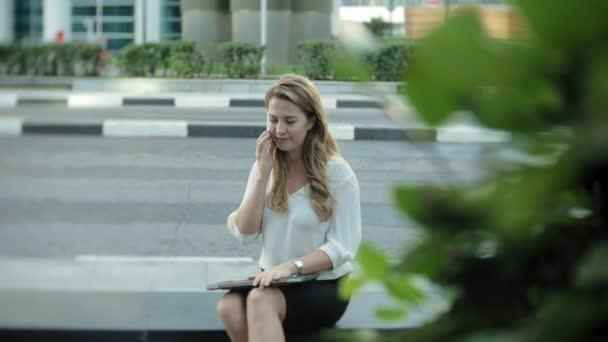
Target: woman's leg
{"points": [[265, 313], [232, 313]]}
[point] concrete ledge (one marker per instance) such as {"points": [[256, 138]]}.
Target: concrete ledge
{"points": [[11, 126], [342, 131], [226, 86], [8, 100], [466, 134], [61, 128], [358, 104], [246, 102], [42, 101], [329, 103], [384, 133], [139, 101], [145, 128], [183, 129], [226, 130], [180, 100], [197, 101], [94, 101], [150, 294]]}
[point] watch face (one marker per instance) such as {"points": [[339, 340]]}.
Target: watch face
{"points": [[299, 265]]}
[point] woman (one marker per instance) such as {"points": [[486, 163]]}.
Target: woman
{"points": [[302, 198]]}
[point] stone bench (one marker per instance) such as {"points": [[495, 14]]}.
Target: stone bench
{"points": [[147, 294]]}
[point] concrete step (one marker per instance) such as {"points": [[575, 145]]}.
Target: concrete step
{"points": [[132, 293]]}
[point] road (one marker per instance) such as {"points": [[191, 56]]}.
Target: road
{"points": [[64, 196]]}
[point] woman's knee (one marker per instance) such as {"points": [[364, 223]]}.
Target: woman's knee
{"points": [[231, 307], [266, 301]]}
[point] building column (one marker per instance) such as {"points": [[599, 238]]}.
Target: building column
{"points": [[207, 23], [153, 20], [7, 21], [56, 16], [335, 17], [246, 23], [139, 30], [311, 19]]}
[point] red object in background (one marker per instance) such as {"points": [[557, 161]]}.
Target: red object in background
{"points": [[59, 36], [433, 3]]}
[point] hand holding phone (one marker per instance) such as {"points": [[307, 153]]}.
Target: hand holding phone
{"points": [[264, 153]]}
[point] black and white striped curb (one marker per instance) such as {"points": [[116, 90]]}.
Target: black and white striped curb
{"points": [[109, 100], [184, 129]]}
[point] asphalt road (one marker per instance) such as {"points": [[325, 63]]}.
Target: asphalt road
{"points": [[65, 196]]}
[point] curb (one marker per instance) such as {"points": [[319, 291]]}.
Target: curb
{"points": [[105, 100], [184, 129]]}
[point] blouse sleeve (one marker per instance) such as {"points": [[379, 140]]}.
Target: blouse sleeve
{"points": [[231, 222], [344, 234]]}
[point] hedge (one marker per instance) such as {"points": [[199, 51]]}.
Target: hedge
{"points": [[174, 58], [389, 63], [53, 59], [241, 60], [315, 56]]}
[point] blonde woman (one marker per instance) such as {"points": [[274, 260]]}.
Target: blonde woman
{"points": [[302, 199]]}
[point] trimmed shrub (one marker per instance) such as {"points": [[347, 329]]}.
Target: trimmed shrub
{"points": [[315, 56], [390, 62], [52, 59], [185, 60], [174, 58], [241, 60]]}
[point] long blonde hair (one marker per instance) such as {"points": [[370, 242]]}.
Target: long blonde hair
{"points": [[319, 146]]}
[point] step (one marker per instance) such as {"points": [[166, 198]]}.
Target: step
{"points": [[134, 293]]}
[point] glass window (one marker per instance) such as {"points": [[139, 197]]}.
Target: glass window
{"points": [[171, 11], [88, 11], [117, 27], [170, 21], [118, 11], [28, 20], [116, 44], [78, 27], [172, 27]]}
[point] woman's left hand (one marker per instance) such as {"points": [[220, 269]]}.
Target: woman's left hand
{"points": [[263, 279]]}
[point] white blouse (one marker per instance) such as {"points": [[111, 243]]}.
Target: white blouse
{"points": [[299, 231]]}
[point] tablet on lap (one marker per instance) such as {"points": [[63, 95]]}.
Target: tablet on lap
{"points": [[247, 284]]}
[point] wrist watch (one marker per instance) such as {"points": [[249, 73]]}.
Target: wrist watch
{"points": [[299, 265]]}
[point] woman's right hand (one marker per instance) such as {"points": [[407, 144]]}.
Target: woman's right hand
{"points": [[264, 154]]}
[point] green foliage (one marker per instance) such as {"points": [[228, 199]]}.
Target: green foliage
{"points": [[171, 58], [315, 56], [377, 27], [53, 59], [526, 248], [242, 60], [390, 61], [185, 60], [330, 60]]}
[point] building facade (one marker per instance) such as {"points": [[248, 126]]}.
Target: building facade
{"points": [[117, 23], [288, 22]]}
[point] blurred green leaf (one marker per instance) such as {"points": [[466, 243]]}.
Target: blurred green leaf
{"points": [[567, 23], [429, 257], [348, 66], [373, 261], [401, 286], [448, 67], [596, 101], [349, 285], [593, 269], [423, 204], [387, 313]]}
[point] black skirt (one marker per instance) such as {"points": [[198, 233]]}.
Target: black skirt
{"points": [[312, 305]]}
